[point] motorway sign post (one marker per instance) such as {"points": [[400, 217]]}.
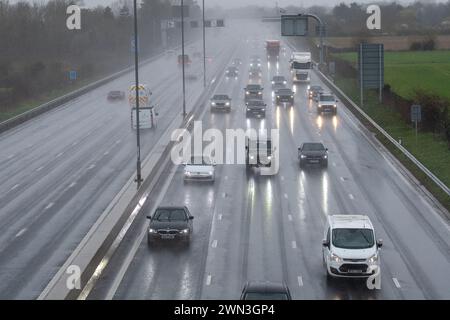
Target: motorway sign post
{"points": [[416, 115], [371, 68], [297, 25]]}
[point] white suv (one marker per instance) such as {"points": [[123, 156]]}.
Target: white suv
{"points": [[349, 247]]}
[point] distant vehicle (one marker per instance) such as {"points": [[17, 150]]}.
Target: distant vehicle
{"points": [[254, 72], [116, 95], [237, 62], [255, 61], [313, 153], [221, 102], [314, 91], [265, 291], [199, 168], [349, 248], [253, 91], [146, 112], [170, 223], [184, 59], [273, 49], [232, 72], [255, 108], [301, 63], [327, 102], [279, 80], [258, 152], [285, 95]]}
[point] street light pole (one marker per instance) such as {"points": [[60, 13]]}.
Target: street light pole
{"points": [[183, 59], [136, 67], [204, 47]]}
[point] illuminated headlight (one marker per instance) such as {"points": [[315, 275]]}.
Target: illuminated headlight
{"points": [[184, 231], [259, 92], [335, 258], [152, 231], [309, 87], [247, 92], [187, 173], [325, 156], [211, 173], [292, 96], [269, 157], [334, 106], [263, 109], [373, 259], [213, 103], [278, 96], [259, 64], [252, 157], [284, 82], [303, 156], [273, 82], [227, 104]]}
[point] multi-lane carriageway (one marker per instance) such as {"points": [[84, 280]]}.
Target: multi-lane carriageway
{"points": [[60, 170]]}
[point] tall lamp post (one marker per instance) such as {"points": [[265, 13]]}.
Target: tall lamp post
{"points": [[136, 67], [204, 47], [183, 59]]}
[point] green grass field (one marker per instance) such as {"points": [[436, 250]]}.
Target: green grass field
{"points": [[408, 70]]}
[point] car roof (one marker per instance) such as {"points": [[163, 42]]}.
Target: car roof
{"points": [[352, 221], [266, 287], [170, 207]]}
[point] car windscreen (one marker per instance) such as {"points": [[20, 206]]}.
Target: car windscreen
{"points": [[278, 79], [316, 88], [285, 91], [220, 97], [198, 160], [313, 147], [170, 215], [353, 238], [299, 65], [327, 98], [266, 296], [253, 87]]}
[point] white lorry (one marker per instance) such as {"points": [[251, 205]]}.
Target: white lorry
{"points": [[146, 112], [301, 64]]}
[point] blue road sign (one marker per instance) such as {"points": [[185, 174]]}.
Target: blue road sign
{"points": [[416, 113], [72, 75], [294, 25]]}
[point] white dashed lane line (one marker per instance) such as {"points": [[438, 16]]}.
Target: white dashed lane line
{"points": [[397, 283], [208, 280], [300, 281], [51, 204], [14, 187], [351, 196], [294, 245], [21, 232], [214, 244], [290, 217]]}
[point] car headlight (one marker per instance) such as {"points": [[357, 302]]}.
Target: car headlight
{"points": [[269, 157], [247, 92], [292, 96], [302, 156], [252, 157], [334, 106], [335, 258], [373, 259], [284, 82], [278, 96], [152, 230], [184, 231], [213, 103], [263, 109], [187, 173], [259, 92], [325, 156], [308, 87], [211, 173], [273, 82]]}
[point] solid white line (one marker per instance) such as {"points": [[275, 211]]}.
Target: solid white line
{"points": [[290, 217], [214, 244], [51, 204], [14, 187], [397, 284], [21, 232], [208, 280], [351, 196], [300, 281], [294, 245]]}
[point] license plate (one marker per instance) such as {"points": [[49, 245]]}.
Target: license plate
{"points": [[167, 236], [354, 271], [314, 161]]}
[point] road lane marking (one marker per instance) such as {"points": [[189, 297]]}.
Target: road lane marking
{"points": [[71, 185], [282, 178], [14, 187], [397, 284], [220, 217], [334, 164], [75, 143], [92, 166], [106, 153], [294, 245], [11, 156], [208, 280], [300, 281], [118, 141], [226, 177], [214, 244], [59, 154], [21, 232], [290, 217], [51, 204], [285, 195], [351, 196], [224, 195], [342, 178], [40, 168]]}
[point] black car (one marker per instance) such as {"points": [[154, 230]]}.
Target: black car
{"points": [[285, 95], [255, 108], [253, 91], [116, 95], [254, 72], [265, 290], [255, 61], [232, 72], [314, 91], [313, 153], [170, 223]]}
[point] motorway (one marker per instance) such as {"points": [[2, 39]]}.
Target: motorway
{"points": [[61, 170], [252, 227]]}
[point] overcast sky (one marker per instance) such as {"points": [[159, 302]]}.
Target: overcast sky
{"points": [[237, 3]]}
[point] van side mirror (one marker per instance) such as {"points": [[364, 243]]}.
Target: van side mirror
{"points": [[325, 243], [379, 243], [326, 149], [149, 217], [191, 218]]}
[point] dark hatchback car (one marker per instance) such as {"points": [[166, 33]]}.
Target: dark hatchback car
{"points": [[170, 223], [313, 153], [116, 95], [265, 291], [285, 95], [255, 108]]}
